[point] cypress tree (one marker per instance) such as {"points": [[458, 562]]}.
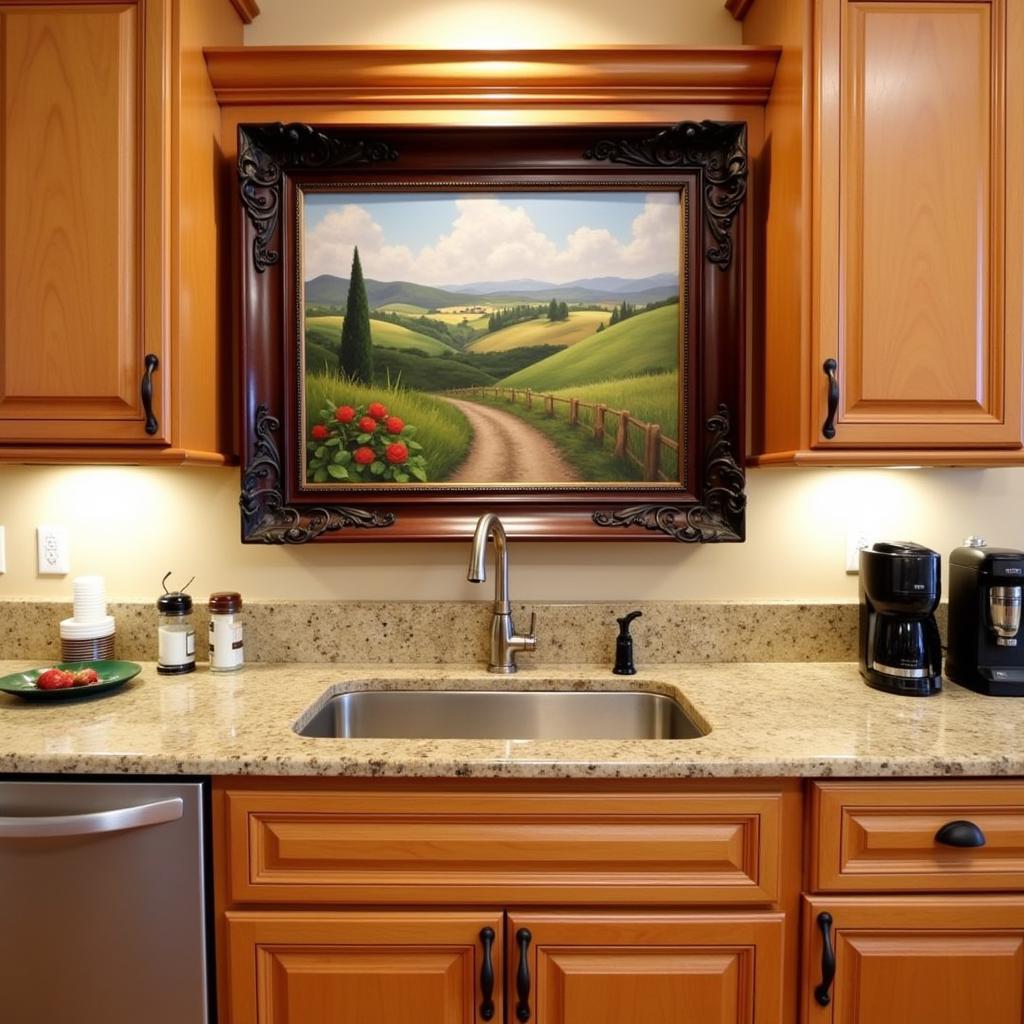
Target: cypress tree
{"points": [[563, 311], [553, 310], [356, 342]]}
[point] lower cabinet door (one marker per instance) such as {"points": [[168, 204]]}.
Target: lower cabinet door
{"points": [[913, 960], [364, 968], [644, 968]]}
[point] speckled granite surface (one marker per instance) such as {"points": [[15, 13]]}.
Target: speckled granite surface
{"points": [[809, 719], [443, 632]]}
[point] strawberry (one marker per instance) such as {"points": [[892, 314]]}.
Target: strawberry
{"points": [[54, 679], [85, 676]]}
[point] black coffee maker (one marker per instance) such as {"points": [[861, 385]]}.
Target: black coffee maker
{"points": [[986, 642], [900, 650]]}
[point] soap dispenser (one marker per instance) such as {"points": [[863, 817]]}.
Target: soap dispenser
{"points": [[624, 646]]}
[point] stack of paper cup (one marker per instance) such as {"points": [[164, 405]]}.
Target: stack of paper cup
{"points": [[89, 634]]}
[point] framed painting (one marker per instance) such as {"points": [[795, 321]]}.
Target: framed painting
{"points": [[546, 323]]}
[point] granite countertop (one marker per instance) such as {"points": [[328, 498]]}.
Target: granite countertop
{"points": [[777, 719]]}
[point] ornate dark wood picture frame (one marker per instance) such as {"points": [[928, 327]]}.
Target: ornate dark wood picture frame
{"points": [[705, 163]]}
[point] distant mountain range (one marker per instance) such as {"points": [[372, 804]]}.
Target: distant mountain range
{"points": [[328, 290]]}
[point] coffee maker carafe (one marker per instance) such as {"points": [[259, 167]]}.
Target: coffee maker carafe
{"points": [[900, 650], [986, 642]]}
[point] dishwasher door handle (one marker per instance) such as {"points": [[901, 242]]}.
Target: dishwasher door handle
{"points": [[120, 819]]}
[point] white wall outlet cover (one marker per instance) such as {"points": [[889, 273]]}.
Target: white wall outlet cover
{"points": [[856, 541], [3, 551], [54, 550]]}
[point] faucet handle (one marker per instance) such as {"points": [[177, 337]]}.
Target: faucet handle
{"points": [[533, 625]]}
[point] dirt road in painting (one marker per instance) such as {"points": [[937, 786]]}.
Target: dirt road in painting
{"points": [[507, 450]]}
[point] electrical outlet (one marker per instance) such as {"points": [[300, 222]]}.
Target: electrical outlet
{"points": [[3, 551], [856, 540], [54, 549]]}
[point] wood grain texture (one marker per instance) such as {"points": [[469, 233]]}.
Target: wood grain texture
{"points": [[437, 845], [875, 837], [918, 960], [416, 77], [911, 165], [248, 10], [358, 967], [739, 8], [598, 968], [75, 273]]}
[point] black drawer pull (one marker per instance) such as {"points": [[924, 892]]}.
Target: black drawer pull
{"points": [[523, 937], [828, 961], [152, 364], [828, 429], [487, 975], [960, 833]]}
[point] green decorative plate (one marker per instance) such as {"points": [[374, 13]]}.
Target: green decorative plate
{"points": [[112, 674]]}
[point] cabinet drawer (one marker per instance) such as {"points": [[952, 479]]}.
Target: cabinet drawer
{"points": [[443, 845], [882, 836]]}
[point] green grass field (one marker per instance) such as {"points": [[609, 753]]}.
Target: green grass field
{"points": [[645, 343], [325, 331], [426, 373], [580, 325], [405, 307], [442, 430]]}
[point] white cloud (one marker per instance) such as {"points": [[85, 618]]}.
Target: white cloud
{"points": [[491, 239]]}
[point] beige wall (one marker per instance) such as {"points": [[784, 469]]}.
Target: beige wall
{"points": [[492, 23], [133, 525]]}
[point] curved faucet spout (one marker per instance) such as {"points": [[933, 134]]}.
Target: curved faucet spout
{"points": [[486, 526]]}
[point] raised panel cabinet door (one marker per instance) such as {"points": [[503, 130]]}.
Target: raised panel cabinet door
{"points": [[596, 968], [364, 968], [82, 219], [913, 960], [911, 216]]}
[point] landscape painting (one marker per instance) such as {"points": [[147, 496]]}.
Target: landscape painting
{"points": [[485, 340]]}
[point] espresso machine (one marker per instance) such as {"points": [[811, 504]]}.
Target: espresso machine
{"points": [[986, 642], [900, 650]]}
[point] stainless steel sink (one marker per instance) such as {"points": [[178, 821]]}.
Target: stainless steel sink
{"points": [[502, 714]]}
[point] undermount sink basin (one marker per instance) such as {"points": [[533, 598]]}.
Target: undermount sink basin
{"points": [[502, 714]]}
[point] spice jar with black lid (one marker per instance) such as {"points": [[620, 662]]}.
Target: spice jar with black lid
{"points": [[176, 635], [227, 651]]}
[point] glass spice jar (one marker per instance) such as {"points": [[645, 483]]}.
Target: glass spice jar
{"points": [[227, 651], [176, 634]]}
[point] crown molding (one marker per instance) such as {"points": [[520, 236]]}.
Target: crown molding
{"points": [[247, 10], [271, 75], [738, 8]]}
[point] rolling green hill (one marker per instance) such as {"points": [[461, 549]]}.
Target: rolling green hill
{"points": [[580, 325], [328, 290], [325, 331], [645, 343]]}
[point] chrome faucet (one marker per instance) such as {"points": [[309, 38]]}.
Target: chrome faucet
{"points": [[504, 641]]}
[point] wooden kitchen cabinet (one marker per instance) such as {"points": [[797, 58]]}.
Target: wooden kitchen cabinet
{"points": [[111, 192], [363, 968], [593, 968], [915, 960], [894, 165]]}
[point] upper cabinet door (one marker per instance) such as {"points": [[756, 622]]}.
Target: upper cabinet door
{"points": [[83, 222], [912, 198], [680, 968]]}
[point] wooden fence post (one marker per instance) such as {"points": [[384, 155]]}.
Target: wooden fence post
{"points": [[551, 406], [652, 451], [574, 411], [621, 434], [599, 423], [512, 396], [529, 398]]}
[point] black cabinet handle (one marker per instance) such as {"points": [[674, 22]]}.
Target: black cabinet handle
{"points": [[960, 833], [523, 937], [487, 975], [828, 960], [828, 428], [152, 364]]}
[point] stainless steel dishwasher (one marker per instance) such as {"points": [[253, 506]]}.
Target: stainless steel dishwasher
{"points": [[102, 903]]}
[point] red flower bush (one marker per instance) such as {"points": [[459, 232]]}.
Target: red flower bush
{"points": [[359, 444], [397, 453]]}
